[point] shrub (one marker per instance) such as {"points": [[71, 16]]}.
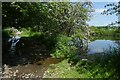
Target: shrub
{"points": [[64, 47]]}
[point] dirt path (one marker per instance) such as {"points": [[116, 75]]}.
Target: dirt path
{"points": [[35, 70]]}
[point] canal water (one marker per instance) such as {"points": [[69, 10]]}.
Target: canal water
{"points": [[99, 46]]}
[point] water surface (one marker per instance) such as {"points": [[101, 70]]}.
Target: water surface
{"points": [[99, 46]]}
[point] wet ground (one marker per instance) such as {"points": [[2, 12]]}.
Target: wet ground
{"points": [[35, 70], [29, 60]]}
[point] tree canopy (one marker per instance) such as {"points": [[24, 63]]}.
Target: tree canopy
{"points": [[47, 17]]}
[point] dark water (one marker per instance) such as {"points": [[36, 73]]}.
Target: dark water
{"points": [[29, 56], [99, 46], [37, 69]]}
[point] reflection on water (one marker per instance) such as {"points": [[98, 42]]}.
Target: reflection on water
{"points": [[99, 46], [14, 40]]}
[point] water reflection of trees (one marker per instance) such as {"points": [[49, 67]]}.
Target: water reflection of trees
{"points": [[118, 43]]}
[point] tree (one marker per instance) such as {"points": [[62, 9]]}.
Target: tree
{"points": [[58, 22], [114, 9], [50, 18]]}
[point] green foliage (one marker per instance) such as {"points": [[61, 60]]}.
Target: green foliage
{"points": [[53, 23], [105, 32], [97, 66], [61, 70], [29, 33], [51, 18], [61, 49], [112, 60], [6, 32]]}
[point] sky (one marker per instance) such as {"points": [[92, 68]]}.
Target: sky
{"points": [[98, 19]]}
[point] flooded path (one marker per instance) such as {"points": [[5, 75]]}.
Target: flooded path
{"points": [[35, 70]]}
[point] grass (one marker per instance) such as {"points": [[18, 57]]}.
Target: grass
{"points": [[95, 31], [25, 32], [61, 70], [97, 66], [81, 70], [29, 33]]}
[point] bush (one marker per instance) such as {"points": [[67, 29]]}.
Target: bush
{"points": [[63, 49]]}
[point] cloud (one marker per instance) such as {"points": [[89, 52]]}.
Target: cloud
{"points": [[99, 10]]}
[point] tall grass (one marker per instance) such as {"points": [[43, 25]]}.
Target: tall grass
{"points": [[96, 66], [103, 65]]}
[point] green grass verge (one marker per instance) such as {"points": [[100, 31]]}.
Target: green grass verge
{"points": [[24, 32], [61, 70], [104, 65]]}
